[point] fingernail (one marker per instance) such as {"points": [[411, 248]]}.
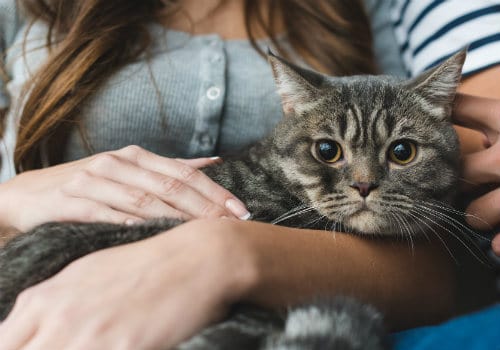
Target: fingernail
{"points": [[215, 158], [131, 222], [238, 209]]}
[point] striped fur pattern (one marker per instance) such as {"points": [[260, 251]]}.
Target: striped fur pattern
{"points": [[284, 181]]}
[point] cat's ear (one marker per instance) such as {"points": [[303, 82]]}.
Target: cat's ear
{"points": [[298, 87], [438, 85]]}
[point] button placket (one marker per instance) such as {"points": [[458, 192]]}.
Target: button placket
{"points": [[211, 99]]}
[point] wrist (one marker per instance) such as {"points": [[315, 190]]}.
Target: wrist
{"points": [[234, 268]]}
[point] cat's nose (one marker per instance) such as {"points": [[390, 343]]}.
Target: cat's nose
{"points": [[364, 188]]}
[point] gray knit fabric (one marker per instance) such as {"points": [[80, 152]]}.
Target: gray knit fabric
{"points": [[197, 96]]}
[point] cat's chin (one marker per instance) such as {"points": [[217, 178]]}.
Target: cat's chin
{"points": [[368, 222]]}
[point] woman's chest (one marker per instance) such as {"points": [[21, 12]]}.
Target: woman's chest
{"points": [[196, 96]]}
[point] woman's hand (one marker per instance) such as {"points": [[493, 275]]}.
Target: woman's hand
{"points": [[482, 166], [147, 295], [123, 186]]}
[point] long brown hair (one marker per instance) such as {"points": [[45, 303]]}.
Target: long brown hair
{"points": [[91, 39]]}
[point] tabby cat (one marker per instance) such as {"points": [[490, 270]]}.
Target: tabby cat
{"points": [[368, 155]]}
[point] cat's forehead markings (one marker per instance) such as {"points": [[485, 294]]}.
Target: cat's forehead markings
{"points": [[351, 125], [378, 130], [360, 139]]}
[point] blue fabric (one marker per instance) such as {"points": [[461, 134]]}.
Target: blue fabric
{"points": [[476, 331]]}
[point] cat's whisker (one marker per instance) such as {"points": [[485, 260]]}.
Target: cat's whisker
{"points": [[393, 222], [297, 208], [454, 211], [297, 211], [433, 230], [410, 232], [343, 227], [407, 229], [453, 234], [329, 206], [401, 227], [314, 221], [456, 223], [469, 182], [459, 226]]}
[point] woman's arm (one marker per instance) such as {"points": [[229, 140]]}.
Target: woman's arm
{"points": [[411, 285], [159, 291]]}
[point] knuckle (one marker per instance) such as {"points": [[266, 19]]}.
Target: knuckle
{"points": [[171, 186], [141, 199], [132, 151], [24, 298], [79, 180], [103, 161], [87, 213], [30, 296], [187, 172], [210, 210]]}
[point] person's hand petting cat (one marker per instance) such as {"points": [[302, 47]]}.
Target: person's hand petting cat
{"points": [[161, 290], [482, 165], [123, 186]]}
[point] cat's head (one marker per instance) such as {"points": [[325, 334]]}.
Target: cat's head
{"points": [[371, 152]]}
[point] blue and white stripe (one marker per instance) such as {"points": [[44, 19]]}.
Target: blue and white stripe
{"points": [[429, 31]]}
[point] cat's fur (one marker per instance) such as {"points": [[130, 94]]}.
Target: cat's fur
{"points": [[283, 180]]}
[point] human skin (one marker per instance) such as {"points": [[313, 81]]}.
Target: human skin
{"points": [[481, 148], [195, 271], [124, 187], [134, 296]]}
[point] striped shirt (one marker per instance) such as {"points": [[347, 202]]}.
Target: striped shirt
{"points": [[429, 31]]}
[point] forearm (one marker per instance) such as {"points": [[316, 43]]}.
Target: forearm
{"points": [[412, 286]]}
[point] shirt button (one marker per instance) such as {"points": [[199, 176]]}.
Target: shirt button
{"points": [[213, 93], [216, 58], [206, 140]]}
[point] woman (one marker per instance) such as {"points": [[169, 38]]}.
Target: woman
{"points": [[109, 67]]}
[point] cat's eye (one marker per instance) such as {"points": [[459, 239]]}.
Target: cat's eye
{"points": [[329, 151], [402, 152]]}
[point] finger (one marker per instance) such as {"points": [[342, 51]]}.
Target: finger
{"points": [[52, 334], [17, 336], [122, 198], [18, 328], [48, 339], [483, 166], [176, 194], [483, 212], [86, 210], [192, 177], [477, 112], [200, 162], [495, 244]]}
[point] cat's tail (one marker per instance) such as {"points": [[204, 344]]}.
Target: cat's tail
{"points": [[338, 324]]}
